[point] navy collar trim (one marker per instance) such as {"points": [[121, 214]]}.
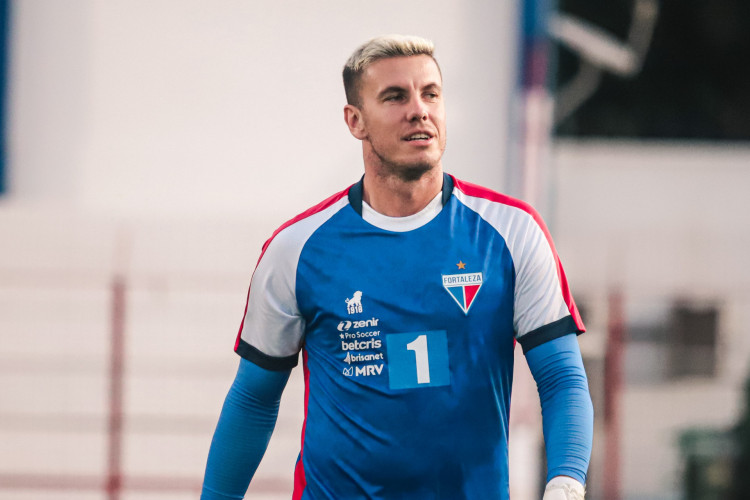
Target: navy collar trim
{"points": [[355, 192]]}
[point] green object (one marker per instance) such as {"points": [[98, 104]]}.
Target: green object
{"points": [[709, 456], [741, 478]]}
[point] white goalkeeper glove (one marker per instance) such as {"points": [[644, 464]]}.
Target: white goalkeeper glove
{"points": [[563, 488]]}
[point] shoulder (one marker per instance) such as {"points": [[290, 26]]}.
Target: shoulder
{"points": [[293, 233], [497, 208], [468, 189]]}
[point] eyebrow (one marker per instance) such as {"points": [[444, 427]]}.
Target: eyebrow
{"points": [[397, 89], [391, 90]]}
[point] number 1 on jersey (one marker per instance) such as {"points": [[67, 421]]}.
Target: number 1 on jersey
{"points": [[419, 346], [417, 360]]}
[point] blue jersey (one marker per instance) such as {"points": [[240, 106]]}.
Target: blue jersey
{"points": [[407, 328]]}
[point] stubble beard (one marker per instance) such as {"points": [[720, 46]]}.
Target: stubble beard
{"points": [[405, 172]]}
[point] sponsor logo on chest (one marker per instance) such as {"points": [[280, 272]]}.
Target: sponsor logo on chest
{"points": [[363, 371]]}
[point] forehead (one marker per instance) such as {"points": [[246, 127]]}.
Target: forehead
{"points": [[403, 71]]}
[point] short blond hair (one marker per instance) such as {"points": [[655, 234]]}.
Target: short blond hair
{"points": [[381, 47]]}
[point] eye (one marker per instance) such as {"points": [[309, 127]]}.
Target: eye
{"points": [[394, 97]]}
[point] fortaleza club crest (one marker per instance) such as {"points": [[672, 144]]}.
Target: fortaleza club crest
{"points": [[463, 288]]}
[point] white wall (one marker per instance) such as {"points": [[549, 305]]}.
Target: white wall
{"points": [[203, 108], [660, 222], [666, 216], [165, 140]]}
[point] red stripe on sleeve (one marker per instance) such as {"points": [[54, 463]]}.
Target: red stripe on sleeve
{"points": [[481, 192]]}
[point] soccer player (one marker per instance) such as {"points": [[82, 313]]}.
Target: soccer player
{"points": [[406, 294]]}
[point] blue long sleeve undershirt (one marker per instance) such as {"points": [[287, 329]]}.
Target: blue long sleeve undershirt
{"points": [[245, 426], [567, 412], [250, 409]]}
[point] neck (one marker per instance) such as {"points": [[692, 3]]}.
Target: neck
{"points": [[395, 197]]}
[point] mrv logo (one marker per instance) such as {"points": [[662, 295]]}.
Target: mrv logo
{"points": [[361, 345], [363, 371], [346, 325]]}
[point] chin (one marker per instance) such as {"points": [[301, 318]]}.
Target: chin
{"points": [[408, 169], [414, 172]]}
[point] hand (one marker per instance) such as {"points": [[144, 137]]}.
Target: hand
{"points": [[564, 488]]}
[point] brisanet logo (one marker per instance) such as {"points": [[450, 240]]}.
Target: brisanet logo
{"points": [[356, 358]]}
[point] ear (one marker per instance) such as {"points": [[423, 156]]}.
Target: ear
{"points": [[355, 122]]}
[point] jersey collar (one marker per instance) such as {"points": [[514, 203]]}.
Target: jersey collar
{"points": [[355, 192]]}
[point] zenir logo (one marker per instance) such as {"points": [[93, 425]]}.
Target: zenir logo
{"points": [[365, 323]]}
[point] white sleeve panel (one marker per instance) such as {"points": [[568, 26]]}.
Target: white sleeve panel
{"points": [[538, 296], [273, 323], [539, 299]]}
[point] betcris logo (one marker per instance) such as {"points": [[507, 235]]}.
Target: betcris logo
{"points": [[361, 345], [346, 325]]}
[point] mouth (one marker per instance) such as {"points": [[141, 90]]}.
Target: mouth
{"points": [[418, 137]]}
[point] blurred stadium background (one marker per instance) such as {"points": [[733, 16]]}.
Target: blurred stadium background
{"points": [[150, 147]]}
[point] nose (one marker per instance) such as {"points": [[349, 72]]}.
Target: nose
{"points": [[417, 110]]}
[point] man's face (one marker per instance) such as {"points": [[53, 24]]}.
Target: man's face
{"points": [[401, 116]]}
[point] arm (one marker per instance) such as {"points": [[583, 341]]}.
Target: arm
{"points": [[244, 429], [567, 412]]}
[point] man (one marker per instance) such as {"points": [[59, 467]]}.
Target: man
{"points": [[406, 293]]}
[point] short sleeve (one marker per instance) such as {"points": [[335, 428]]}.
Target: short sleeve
{"points": [[543, 305], [272, 329]]}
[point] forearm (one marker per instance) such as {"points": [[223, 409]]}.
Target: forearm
{"points": [[245, 426], [567, 412]]}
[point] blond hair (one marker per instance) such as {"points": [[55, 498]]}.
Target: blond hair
{"points": [[381, 47]]}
